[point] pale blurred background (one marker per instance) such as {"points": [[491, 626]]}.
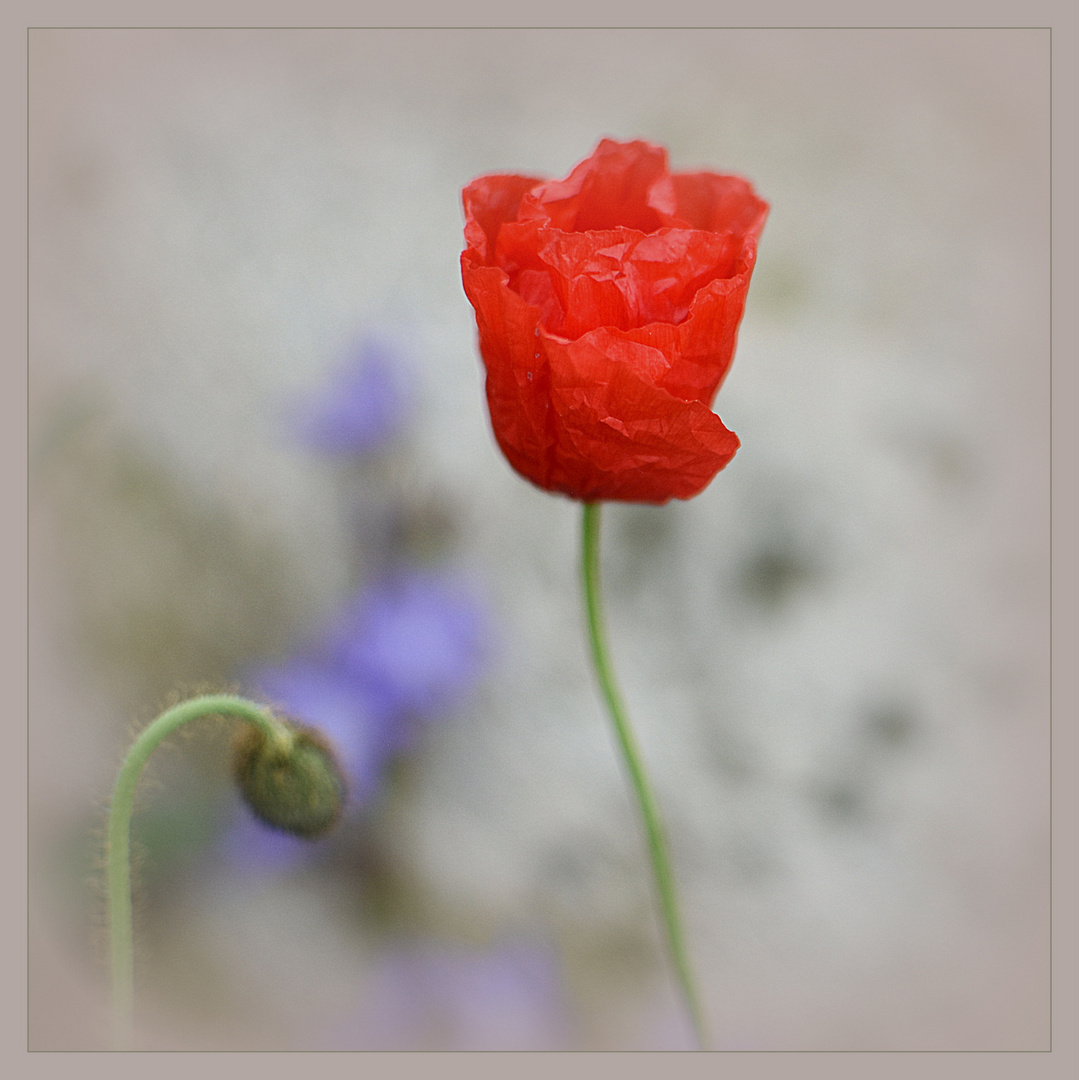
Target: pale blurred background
{"points": [[836, 657]]}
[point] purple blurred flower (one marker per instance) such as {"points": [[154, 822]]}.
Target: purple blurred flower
{"points": [[251, 846], [405, 649], [439, 998], [415, 641], [364, 405]]}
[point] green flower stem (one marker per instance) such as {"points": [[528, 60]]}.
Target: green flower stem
{"points": [[119, 836], [664, 879]]}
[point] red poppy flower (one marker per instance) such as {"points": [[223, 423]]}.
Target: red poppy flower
{"points": [[608, 306]]}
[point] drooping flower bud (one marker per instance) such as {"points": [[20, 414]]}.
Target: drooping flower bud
{"points": [[292, 784]]}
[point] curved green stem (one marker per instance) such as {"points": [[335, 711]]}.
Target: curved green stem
{"points": [[119, 836], [657, 846]]}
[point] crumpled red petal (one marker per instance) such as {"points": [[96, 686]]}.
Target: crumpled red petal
{"points": [[608, 306]]}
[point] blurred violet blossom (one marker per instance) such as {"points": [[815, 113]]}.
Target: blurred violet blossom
{"points": [[365, 403], [415, 642], [407, 648], [434, 997], [256, 849]]}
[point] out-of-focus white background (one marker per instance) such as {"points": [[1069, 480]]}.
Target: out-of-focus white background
{"points": [[836, 657]]}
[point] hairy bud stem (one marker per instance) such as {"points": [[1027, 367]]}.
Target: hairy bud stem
{"points": [[287, 774]]}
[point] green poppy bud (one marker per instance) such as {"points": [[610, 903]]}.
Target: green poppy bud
{"points": [[294, 783]]}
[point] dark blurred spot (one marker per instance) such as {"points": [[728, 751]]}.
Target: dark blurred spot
{"points": [[773, 575], [843, 803], [645, 530], [941, 456], [891, 723], [425, 530], [389, 528]]}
